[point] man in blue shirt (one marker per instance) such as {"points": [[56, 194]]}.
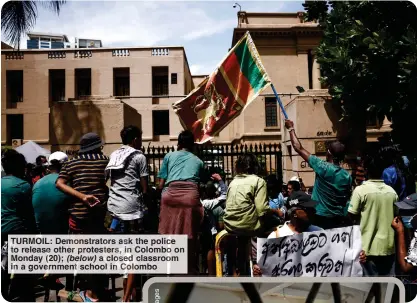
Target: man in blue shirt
{"points": [[333, 185]]}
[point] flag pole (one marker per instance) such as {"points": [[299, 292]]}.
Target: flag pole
{"points": [[279, 102]]}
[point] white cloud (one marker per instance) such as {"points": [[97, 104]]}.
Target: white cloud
{"points": [[204, 68], [133, 23]]}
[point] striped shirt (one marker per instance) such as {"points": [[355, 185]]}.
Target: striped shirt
{"points": [[85, 173]]}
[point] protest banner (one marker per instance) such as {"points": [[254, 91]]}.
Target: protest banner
{"points": [[327, 253]]}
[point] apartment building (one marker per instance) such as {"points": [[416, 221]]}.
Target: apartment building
{"points": [[58, 41], [52, 97]]}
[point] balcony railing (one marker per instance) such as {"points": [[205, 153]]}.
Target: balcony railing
{"points": [[83, 54], [121, 53], [160, 52], [14, 55], [57, 55]]}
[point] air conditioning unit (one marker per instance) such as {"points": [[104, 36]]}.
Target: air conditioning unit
{"points": [[16, 142]]}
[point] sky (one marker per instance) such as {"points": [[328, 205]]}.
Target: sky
{"points": [[204, 28]]}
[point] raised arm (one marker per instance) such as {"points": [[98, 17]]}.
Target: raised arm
{"points": [[211, 204], [398, 226], [295, 142]]}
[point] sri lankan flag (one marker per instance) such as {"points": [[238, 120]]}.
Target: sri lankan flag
{"points": [[222, 96]]}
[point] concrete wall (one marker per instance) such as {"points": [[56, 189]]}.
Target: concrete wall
{"points": [[71, 120], [197, 79]]}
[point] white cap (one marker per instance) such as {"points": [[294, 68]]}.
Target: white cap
{"points": [[60, 156], [295, 178]]}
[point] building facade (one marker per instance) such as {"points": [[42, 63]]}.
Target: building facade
{"points": [[53, 97]]}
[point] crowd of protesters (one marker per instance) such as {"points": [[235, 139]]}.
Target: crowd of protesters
{"points": [[95, 194]]}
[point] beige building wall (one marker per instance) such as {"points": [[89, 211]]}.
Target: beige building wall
{"points": [[283, 43], [70, 120], [36, 105], [197, 79]]}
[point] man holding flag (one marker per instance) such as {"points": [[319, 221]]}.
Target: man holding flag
{"points": [[235, 83], [333, 185]]}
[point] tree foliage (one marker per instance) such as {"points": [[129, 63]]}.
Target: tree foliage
{"points": [[19, 17], [368, 58]]}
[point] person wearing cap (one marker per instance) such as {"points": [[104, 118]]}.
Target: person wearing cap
{"points": [[83, 179], [301, 210], [51, 207], [333, 184], [407, 257], [49, 203], [372, 205]]}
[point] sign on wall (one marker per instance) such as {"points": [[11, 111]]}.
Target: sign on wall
{"points": [[327, 253]]}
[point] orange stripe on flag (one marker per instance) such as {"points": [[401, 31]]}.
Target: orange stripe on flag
{"points": [[241, 85]]}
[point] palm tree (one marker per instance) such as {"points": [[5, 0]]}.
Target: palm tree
{"points": [[18, 17]]}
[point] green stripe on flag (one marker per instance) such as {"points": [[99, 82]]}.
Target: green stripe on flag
{"points": [[248, 67]]}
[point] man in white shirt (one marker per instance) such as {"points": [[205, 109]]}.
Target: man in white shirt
{"points": [[301, 210]]}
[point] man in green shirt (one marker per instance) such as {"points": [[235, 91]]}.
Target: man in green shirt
{"points": [[372, 205], [333, 185], [181, 165], [49, 203], [16, 209], [16, 218]]}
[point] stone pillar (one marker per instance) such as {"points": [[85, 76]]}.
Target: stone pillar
{"points": [[69, 83], [316, 73]]}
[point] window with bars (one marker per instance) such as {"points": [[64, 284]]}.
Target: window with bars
{"points": [[160, 81], [271, 119]]}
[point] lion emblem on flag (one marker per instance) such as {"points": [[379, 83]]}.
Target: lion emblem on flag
{"points": [[208, 106]]}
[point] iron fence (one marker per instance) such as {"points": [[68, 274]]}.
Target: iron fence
{"points": [[217, 158], [221, 158]]}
